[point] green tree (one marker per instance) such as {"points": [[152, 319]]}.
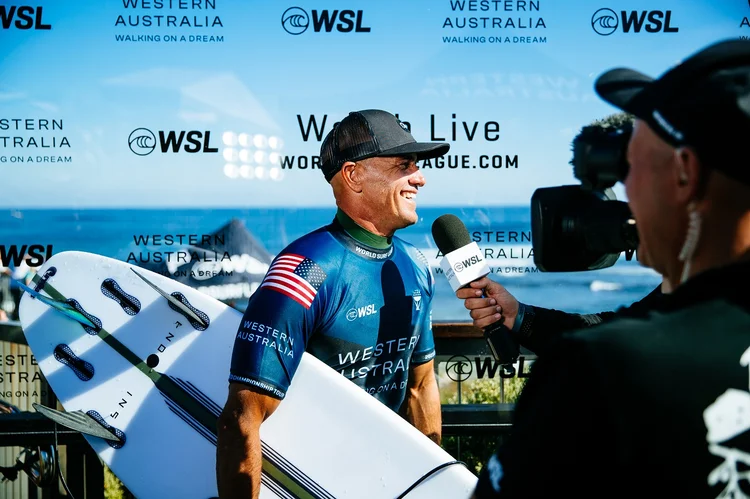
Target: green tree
{"points": [[113, 487], [613, 120]]}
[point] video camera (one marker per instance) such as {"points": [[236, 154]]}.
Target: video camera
{"points": [[584, 227]]}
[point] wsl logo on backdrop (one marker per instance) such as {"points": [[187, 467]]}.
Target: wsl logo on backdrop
{"points": [[143, 141], [22, 17], [33, 254], [295, 21], [460, 368], [607, 21]]}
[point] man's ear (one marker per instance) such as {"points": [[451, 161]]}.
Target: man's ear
{"points": [[351, 175], [688, 174]]}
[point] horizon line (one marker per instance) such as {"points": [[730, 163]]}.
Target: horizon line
{"points": [[193, 207]]}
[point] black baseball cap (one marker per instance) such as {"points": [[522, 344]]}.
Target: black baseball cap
{"points": [[370, 133], [703, 102]]}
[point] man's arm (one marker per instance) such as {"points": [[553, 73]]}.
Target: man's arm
{"points": [[238, 453], [422, 403], [268, 347], [535, 328]]}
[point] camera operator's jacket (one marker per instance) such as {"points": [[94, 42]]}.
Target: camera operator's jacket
{"points": [[541, 327], [653, 404]]}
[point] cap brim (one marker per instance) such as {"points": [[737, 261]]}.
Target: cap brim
{"points": [[621, 87], [423, 150]]}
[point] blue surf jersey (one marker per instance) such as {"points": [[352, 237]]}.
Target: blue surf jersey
{"points": [[364, 311]]}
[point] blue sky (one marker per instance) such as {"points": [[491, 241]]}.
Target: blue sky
{"points": [[260, 78]]}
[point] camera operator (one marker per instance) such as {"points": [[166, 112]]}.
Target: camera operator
{"points": [[658, 405], [535, 327]]}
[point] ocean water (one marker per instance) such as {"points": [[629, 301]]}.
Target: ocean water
{"points": [[503, 233]]}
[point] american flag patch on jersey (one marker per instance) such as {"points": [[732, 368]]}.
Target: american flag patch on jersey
{"points": [[295, 276]]}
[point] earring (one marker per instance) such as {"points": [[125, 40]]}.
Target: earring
{"points": [[691, 240], [683, 178]]}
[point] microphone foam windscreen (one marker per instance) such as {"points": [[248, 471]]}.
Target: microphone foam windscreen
{"points": [[450, 233]]}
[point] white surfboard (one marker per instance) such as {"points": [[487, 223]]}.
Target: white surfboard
{"points": [[157, 378]]}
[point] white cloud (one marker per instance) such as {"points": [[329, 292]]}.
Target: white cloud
{"points": [[225, 94], [228, 95], [5, 96], [46, 106], [196, 117], [172, 79]]}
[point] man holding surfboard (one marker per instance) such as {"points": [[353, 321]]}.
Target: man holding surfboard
{"points": [[349, 293]]}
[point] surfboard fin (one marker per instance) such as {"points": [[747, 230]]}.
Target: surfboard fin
{"points": [[174, 301], [78, 421], [60, 306]]}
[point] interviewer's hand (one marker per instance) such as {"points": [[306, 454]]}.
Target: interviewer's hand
{"points": [[497, 304]]}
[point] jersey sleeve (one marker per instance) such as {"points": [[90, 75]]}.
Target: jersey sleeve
{"points": [[277, 324], [424, 351]]}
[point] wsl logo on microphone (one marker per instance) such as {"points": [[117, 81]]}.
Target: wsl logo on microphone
{"points": [[464, 264]]}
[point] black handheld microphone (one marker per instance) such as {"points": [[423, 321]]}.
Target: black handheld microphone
{"points": [[462, 263]]}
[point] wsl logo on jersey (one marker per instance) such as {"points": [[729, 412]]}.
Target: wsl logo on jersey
{"points": [[355, 313]]}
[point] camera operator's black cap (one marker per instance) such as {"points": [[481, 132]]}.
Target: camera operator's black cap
{"points": [[703, 102], [370, 133]]}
